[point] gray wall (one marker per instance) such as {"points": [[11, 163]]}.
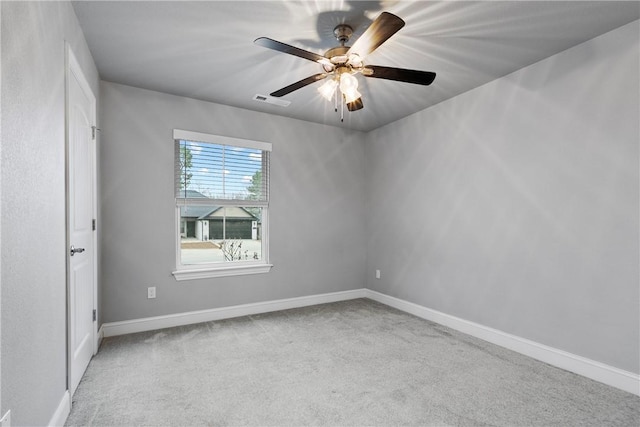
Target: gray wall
{"points": [[1, 411], [515, 205], [33, 252], [316, 212]]}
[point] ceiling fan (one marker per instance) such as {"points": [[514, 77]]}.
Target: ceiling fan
{"points": [[340, 64]]}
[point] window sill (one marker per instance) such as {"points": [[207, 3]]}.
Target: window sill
{"points": [[209, 272]]}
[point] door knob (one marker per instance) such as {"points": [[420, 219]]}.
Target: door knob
{"points": [[75, 250]]}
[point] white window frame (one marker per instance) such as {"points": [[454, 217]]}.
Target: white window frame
{"points": [[234, 268]]}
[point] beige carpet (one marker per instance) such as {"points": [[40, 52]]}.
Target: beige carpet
{"points": [[349, 364]]}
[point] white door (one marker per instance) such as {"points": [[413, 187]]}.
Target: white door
{"points": [[81, 112]]}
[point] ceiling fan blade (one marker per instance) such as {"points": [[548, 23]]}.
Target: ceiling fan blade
{"points": [[378, 32], [355, 105], [400, 74], [298, 85], [285, 48]]}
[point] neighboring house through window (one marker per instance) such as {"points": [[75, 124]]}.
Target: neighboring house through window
{"points": [[222, 202]]}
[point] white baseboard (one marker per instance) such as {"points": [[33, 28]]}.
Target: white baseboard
{"points": [[597, 371], [62, 412], [181, 319], [99, 339], [5, 421]]}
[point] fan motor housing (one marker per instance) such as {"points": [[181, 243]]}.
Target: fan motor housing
{"points": [[336, 51]]}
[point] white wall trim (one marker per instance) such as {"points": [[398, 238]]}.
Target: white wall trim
{"points": [[597, 371], [219, 139], [206, 273], [99, 339], [159, 322], [62, 412]]}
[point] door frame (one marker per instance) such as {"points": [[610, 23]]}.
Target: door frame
{"points": [[72, 66]]}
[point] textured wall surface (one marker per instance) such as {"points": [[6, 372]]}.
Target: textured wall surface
{"points": [[33, 204], [317, 217], [515, 205]]}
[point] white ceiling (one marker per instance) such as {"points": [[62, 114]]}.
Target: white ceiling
{"points": [[205, 49]]}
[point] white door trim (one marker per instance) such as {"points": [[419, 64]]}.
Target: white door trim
{"points": [[72, 66]]}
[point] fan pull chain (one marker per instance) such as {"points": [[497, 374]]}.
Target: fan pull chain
{"points": [[335, 100], [342, 113]]}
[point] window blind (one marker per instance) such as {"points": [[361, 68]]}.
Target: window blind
{"points": [[221, 170]]}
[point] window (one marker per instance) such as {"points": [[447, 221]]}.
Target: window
{"points": [[222, 204]]}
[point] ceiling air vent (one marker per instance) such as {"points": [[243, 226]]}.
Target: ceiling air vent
{"points": [[271, 100]]}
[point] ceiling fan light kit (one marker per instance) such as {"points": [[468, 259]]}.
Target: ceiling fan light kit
{"points": [[349, 87], [328, 88], [340, 64]]}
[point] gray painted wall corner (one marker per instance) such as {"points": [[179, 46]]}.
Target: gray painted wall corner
{"points": [[515, 205], [33, 369], [316, 211]]}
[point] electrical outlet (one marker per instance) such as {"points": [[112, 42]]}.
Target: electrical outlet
{"points": [[5, 421], [151, 292], [377, 274]]}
